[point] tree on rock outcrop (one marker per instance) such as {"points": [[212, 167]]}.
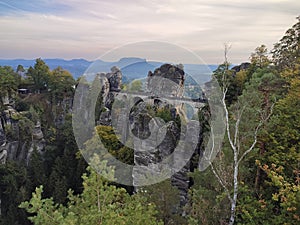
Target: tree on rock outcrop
{"points": [[61, 84], [39, 75]]}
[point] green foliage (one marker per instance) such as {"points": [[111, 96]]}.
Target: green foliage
{"points": [[35, 170], [249, 99], [25, 129], [135, 86], [166, 199], [58, 181], [9, 81], [283, 131], [44, 169], [259, 58], [252, 210], [12, 193], [288, 194], [40, 75], [111, 142], [99, 203], [284, 143], [164, 113], [63, 167], [286, 52], [206, 202], [61, 84], [21, 105], [226, 78], [282, 204], [268, 190]]}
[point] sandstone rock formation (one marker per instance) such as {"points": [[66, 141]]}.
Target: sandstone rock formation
{"points": [[115, 79], [3, 150], [2, 134], [238, 68], [153, 140], [166, 81], [14, 148], [111, 84]]}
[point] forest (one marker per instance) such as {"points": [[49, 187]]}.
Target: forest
{"points": [[255, 178]]}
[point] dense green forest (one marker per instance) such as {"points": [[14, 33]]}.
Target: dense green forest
{"points": [[255, 178]]}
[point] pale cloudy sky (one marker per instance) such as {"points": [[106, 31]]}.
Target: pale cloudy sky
{"points": [[88, 28]]}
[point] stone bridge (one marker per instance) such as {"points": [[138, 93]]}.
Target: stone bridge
{"points": [[132, 98], [150, 98]]}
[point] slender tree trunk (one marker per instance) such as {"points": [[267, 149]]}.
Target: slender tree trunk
{"points": [[233, 138], [235, 189]]}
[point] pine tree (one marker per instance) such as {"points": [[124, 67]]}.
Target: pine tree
{"points": [[99, 203]]}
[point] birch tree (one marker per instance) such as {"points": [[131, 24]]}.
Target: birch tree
{"points": [[243, 120]]}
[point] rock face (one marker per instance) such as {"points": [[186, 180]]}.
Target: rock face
{"points": [[3, 154], [111, 84], [2, 134], [243, 66], [168, 80], [153, 139], [14, 148], [114, 79], [37, 133], [38, 141], [65, 106]]}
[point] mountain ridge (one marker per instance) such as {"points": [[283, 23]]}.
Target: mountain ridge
{"points": [[132, 67]]}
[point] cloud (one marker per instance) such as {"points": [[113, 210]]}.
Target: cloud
{"points": [[88, 28]]}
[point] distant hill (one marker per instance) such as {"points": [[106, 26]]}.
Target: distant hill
{"points": [[75, 66], [124, 62], [132, 68], [137, 70]]}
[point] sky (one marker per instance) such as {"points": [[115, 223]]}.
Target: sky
{"points": [[87, 29]]}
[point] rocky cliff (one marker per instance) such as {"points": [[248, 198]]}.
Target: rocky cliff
{"points": [[167, 80], [20, 125], [149, 150], [13, 143]]}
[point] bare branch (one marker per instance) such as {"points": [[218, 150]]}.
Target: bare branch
{"points": [[227, 47], [225, 88], [255, 134], [227, 124], [226, 63], [221, 182], [253, 143], [213, 169]]}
